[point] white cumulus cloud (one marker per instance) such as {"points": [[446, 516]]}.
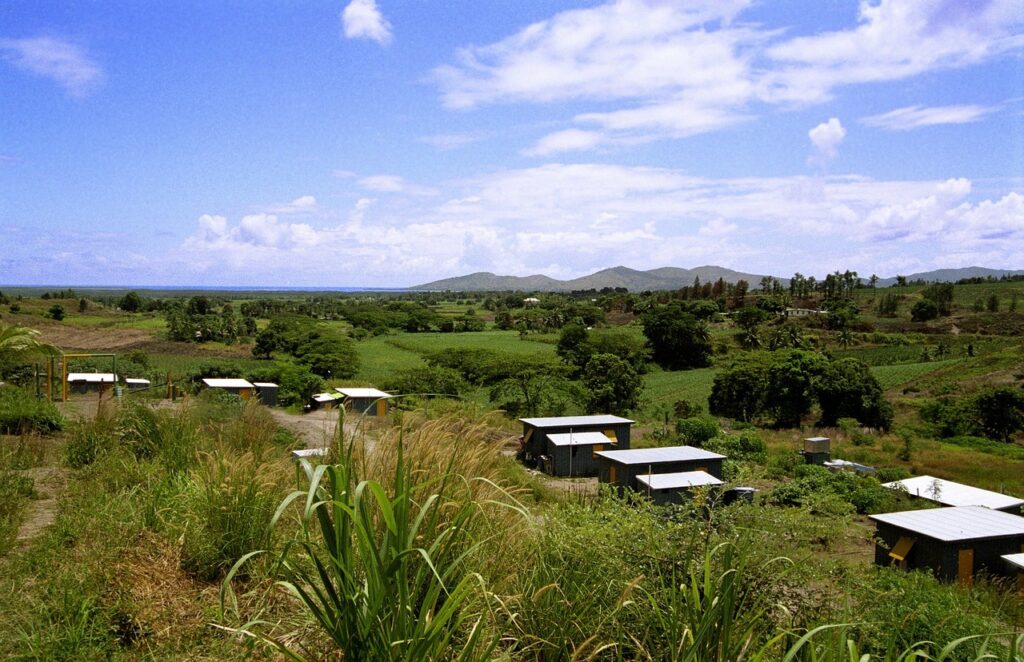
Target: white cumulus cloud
{"points": [[826, 138], [361, 19]]}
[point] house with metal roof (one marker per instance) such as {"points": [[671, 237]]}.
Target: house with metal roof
{"points": [[368, 401], [91, 382], [954, 543], [240, 387], [323, 401], [950, 493], [674, 487], [137, 383], [622, 468], [266, 393], [564, 456], [1016, 563]]}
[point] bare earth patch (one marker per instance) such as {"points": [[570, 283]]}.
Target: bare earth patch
{"points": [[50, 483]]}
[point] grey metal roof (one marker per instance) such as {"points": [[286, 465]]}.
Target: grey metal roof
{"points": [[214, 382], [265, 384], [678, 480], [957, 523], [949, 493], [92, 377], [572, 421], [659, 455], [579, 439], [362, 393], [136, 380], [1015, 560]]}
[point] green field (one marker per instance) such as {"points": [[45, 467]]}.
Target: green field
{"points": [[665, 388]]}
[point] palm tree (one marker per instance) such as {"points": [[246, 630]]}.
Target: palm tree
{"points": [[19, 342]]}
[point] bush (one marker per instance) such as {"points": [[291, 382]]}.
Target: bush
{"points": [[923, 311], [744, 447], [439, 381], [697, 430], [21, 412]]}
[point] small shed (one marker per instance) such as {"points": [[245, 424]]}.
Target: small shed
{"points": [[536, 431], [367, 401], [573, 453], [817, 450], [1016, 564], [674, 487], [954, 543], [91, 382], [137, 383], [950, 493], [266, 393], [323, 401], [622, 467], [240, 387]]}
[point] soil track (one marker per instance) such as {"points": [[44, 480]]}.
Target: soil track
{"points": [[50, 483]]}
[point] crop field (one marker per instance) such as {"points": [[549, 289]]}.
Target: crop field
{"points": [[665, 388], [501, 341], [891, 376]]}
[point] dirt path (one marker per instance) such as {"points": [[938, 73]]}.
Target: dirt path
{"points": [[317, 428], [50, 483]]}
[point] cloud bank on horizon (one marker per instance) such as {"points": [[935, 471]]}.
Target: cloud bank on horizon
{"points": [[885, 138]]}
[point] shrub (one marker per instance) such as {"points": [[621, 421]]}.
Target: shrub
{"points": [[744, 447], [442, 381], [696, 430], [21, 412]]}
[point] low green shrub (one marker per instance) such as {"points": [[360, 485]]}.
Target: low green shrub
{"points": [[697, 430], [21, 412]]}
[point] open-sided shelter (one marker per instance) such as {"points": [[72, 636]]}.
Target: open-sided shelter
{"points": [[91, 382], [539, 449], [368, 401], [954, 543], [950, 493], [240, 387], [622, 467], [137, 383], [674, 487]]}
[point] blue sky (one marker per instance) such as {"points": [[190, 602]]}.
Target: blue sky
{"points": [[389, 143]]}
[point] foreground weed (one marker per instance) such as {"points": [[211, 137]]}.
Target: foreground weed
{"points": [[384, 576]]}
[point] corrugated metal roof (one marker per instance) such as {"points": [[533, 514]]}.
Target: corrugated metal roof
{"points": [[227, 383], [92, 377], [949, 493], [567, 421], [678, 480], [327, 397], [957, 523], [265, 384], [579, 439], [659, 455], [362, 393], [136, 380], [309, 452], [1015, 559]]}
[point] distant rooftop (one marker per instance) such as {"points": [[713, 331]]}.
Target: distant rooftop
{"points": [[579, 439], [659, 455], [92, 377], [362, 393], [678, 480], [1016, 560], [569, 421], [227, 383], [957, 523], [949, 493]]}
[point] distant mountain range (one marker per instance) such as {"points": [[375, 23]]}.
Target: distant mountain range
{"points": [[665, 278]]}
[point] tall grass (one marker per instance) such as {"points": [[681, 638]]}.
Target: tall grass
{"points": [[387, 566]]}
